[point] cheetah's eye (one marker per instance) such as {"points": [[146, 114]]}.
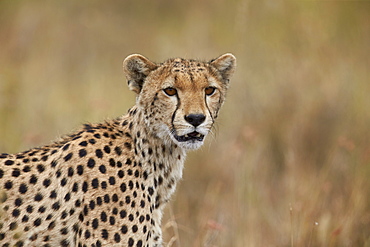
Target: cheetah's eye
{"points": [[170, 91], [210, 90]]}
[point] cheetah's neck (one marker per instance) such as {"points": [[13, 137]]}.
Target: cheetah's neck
{"points": [[162, 161]]}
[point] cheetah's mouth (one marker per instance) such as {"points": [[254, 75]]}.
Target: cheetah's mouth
{"points": [[193, 136]]}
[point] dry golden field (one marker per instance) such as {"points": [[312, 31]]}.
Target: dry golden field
{"points": [[289, 163]]}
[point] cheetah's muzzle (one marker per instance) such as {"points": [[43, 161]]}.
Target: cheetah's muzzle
{"points": [[190, 137]]}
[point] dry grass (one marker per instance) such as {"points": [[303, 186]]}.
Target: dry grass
{"points": [[289, 164]]}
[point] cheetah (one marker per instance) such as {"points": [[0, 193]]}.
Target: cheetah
{"points": [[107, 184]]}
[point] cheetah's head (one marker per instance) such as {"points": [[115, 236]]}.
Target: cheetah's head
{"points": [[180, 98]]}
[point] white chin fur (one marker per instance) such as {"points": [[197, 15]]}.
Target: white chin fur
{"points": [[190, 145], [167, 136]]}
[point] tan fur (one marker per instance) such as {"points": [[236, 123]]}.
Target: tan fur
{"points": [[107, 184]]}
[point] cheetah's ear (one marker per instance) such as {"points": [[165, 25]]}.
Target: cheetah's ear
{"points": [[225, 64], [137, 68]]}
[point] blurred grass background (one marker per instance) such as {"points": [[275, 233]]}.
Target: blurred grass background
{"points": [[289, 164]]}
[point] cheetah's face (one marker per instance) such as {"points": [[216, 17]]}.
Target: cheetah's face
{"points": [[180, 99]]}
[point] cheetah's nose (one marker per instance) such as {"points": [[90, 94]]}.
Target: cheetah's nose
{"points": [[195, 119]]}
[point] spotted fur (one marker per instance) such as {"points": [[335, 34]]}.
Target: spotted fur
{"points": [[107, 184]]}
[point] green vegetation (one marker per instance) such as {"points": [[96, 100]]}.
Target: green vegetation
{"points": [[289, 162]]}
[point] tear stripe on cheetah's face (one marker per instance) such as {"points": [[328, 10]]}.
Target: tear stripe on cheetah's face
{"points": [[180, 98]]}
